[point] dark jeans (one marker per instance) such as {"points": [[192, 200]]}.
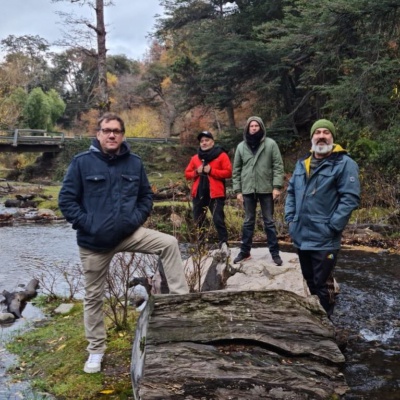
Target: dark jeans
{"points": [[317, 267], [267, 210], [216, 207]]}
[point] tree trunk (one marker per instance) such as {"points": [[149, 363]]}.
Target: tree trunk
{"points": [[230, 112], [262, 337], [240, 345], [104, 103]]}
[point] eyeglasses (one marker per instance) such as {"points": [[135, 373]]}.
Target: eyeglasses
{"points": [[108, 131]]}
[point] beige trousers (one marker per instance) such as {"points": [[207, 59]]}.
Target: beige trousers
{"points": [[95, 267]]}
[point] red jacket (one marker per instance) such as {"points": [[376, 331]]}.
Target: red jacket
{"points": [[221, 168]]}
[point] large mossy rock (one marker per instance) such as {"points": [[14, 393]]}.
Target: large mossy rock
{"points": [[272, 344]]}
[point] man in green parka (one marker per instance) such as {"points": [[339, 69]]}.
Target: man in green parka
{"points": [[257, 177]]}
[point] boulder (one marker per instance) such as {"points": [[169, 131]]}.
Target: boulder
{"points": [[6, 318]]}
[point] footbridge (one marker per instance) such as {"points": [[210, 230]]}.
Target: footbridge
{"points": [[31, 140], [41, 141]]}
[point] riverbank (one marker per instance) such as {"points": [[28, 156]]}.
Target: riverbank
{"points": [[369, 229]]}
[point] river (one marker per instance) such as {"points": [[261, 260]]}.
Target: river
{"points": [[368, 306]]}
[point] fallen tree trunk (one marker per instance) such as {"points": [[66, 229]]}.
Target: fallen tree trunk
{"points": [[241, 345], [16, 301]]}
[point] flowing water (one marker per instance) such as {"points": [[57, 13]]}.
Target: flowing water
{"points": [[368, 307]]}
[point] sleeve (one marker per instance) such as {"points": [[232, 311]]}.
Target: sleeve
{"points": [[190, 171], [69, 198], [277, 167], [237, 170], [290, 202], [348, 188]]}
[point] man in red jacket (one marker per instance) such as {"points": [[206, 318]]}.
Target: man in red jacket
{"points": [[208, 169]]}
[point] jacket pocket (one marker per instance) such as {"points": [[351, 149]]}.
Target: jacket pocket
{"points": [[95, 185], [321, 227], [130, 185]]}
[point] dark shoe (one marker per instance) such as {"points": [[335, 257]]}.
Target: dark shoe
{"points": [[277, 260], [241, 257]]}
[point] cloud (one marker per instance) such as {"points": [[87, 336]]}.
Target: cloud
{"points": [[128, 22]]}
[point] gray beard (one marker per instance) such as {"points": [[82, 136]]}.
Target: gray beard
{"points": [[322, 148]]}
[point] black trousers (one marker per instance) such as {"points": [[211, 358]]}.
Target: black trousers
{"points": [[267, 210], [317, 267], [216, 207]]}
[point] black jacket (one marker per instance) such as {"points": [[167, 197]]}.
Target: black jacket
{"points": [[106, 198]]}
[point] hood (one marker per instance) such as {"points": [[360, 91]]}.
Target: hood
{"points": [[96, 148], [337, 152], [260, 122]]}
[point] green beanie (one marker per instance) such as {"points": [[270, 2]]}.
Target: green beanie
{"points": [[323, 123]]}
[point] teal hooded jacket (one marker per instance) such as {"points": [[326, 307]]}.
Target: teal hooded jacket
{"points": [[260, 172], [318, 207]]}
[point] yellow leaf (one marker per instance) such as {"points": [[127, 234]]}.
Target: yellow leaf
{"points": [[61, 347], [107, 391]]}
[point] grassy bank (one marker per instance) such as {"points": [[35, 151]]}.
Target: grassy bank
{"points": [[52, 356]]}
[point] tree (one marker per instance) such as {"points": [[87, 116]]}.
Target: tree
{"points": [[74, 74], [37, 110], [120, 65], [25, 62], [11, 108], [78, 35], [217, 59], [41, 110], [57, 107]]}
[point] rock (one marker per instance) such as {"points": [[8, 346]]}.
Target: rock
{"points": [[139, 296], [6, 219], [209, 271], [27, 197], [46, 213], [6, 318], [12, 203], [261, 273], [64, 308]]}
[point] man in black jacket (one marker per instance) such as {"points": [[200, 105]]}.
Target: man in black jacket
{"points": [[106, 196]]}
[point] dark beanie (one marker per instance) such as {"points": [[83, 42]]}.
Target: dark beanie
{"points": [[323, 123]]}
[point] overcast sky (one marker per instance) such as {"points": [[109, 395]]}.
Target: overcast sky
{"points": [[129, 22]]}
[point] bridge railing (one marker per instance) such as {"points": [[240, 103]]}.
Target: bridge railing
{"points": [[31, 136]]}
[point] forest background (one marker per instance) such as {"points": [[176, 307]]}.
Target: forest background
{"points": [[211, 65]]}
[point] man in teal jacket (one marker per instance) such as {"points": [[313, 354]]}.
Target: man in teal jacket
{"points": [[257, 176], [323, 191]]}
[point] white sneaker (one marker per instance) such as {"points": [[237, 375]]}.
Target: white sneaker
{"points": [[93, 363]]}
